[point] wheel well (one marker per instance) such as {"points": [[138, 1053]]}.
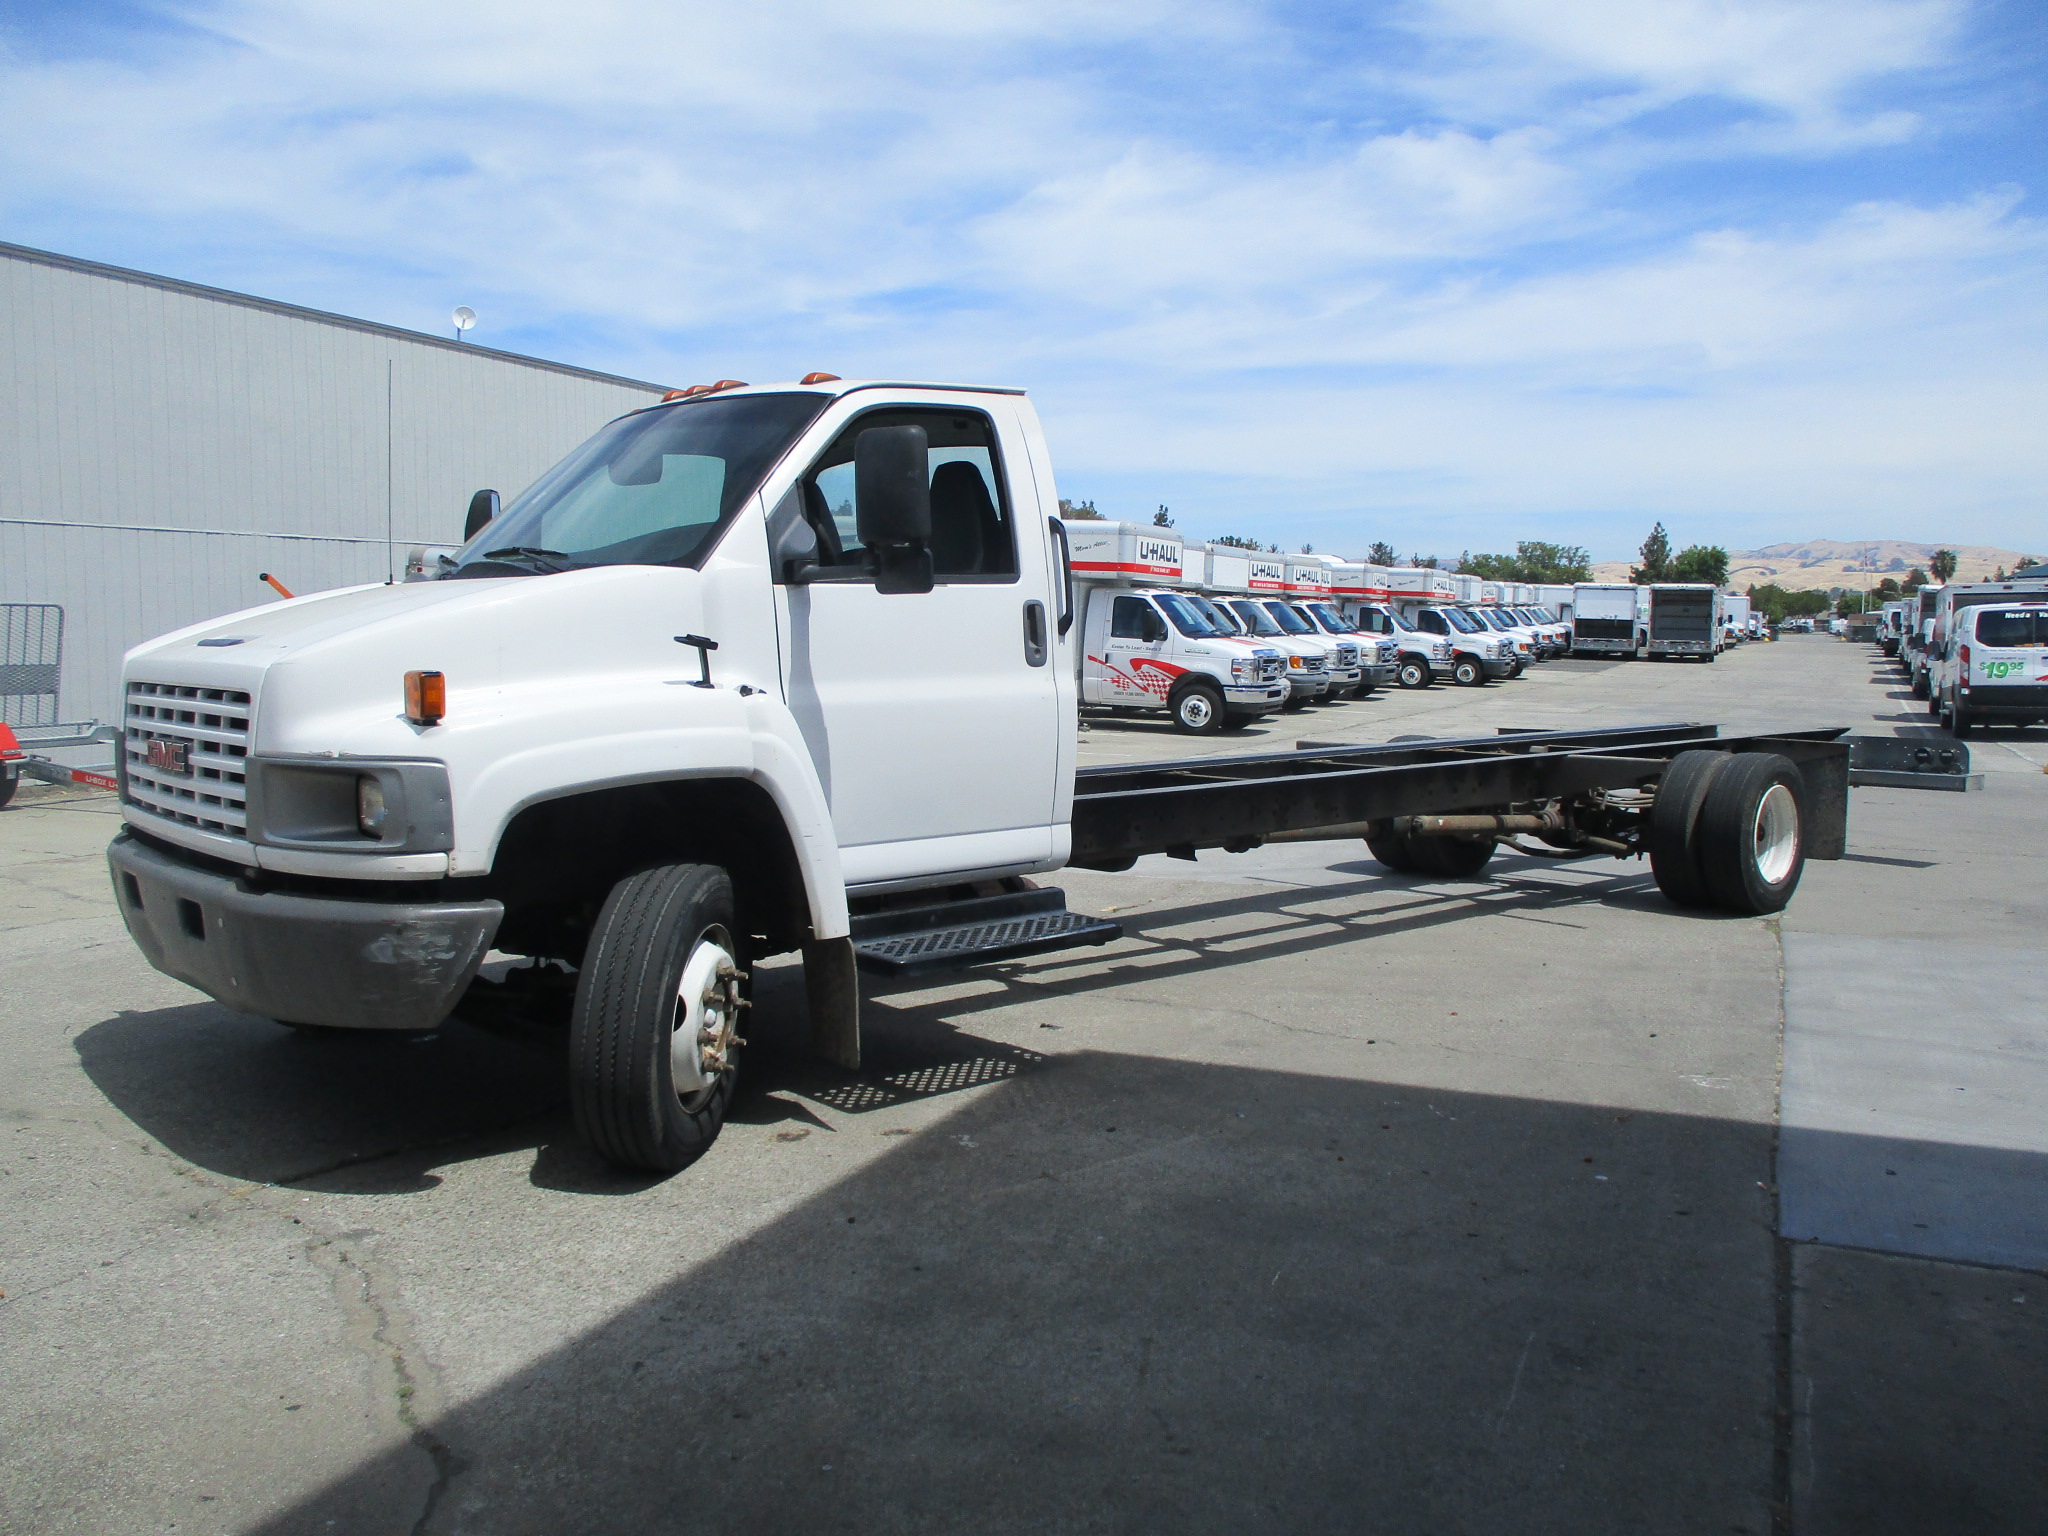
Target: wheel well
{"points": [[559, 859]]}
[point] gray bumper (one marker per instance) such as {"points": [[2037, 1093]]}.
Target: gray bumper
{"points": [[1497, 669], [1378, 677], [301, 959]]}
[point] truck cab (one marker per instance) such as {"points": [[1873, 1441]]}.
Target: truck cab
{"points": [[1340, 651], [1308, 659], [1479, 653], [1378, 653]]}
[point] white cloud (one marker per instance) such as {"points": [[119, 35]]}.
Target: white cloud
{"points": [[1224, 254]]}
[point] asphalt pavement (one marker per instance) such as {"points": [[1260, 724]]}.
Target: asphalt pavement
{"points": [[1327, 1199]]}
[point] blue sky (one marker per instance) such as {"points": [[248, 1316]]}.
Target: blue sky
{"points": [[1444, 272]]}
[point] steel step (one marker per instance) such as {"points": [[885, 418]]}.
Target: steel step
{"points": [[973, 932]]}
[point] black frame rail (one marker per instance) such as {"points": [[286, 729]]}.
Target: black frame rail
{"points": [[1127, 810]]}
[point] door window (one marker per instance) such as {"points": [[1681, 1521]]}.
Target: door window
{"points": [[1128, 620], [972, 537]]}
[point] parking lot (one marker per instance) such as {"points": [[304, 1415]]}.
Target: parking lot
{"points": [[1326, 1199]]}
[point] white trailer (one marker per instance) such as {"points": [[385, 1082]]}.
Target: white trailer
{"points": [[1609, 619], [1685, 620], [1736, 616]]}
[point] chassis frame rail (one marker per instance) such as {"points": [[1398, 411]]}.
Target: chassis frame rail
{"points": [[1124, 811]]}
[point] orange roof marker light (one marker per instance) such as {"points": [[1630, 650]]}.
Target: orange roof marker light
{"points": [[819, 378], [726, 384], [674, 394], [426, 697]]}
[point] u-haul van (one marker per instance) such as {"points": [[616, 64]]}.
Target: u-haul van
{"points": [[1308, 578], [1146, 647]]}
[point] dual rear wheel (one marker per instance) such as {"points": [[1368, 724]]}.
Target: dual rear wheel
{"points": [[1728, 831]]}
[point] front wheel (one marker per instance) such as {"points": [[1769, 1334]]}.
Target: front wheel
{"points": [[1467, 673], [1414, 674], [654, 1038], [1197, 710]]}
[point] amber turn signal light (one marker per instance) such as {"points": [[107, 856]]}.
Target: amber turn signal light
{"points": [[426, 697]]}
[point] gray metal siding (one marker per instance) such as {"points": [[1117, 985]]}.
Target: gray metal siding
{"points": [[272, 434]]}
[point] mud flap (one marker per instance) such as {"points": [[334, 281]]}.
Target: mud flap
{"points": [[832, 989]]}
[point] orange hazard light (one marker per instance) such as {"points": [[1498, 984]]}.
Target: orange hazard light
{"points": [[426, 697]]}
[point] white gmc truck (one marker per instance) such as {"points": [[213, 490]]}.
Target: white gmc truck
{"points": [[760, 670]]}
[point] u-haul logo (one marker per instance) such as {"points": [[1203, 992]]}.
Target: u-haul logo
{"points": [[1268, 576], [1156, 552], [1312, 579]]}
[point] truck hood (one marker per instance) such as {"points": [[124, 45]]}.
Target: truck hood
{"points": [[333, 664]]}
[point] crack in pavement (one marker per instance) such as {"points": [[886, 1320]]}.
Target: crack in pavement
{"points": [[380, 1330]]}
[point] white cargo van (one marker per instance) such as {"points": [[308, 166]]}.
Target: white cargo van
{"points": [[1479, 654], [1378, 654], [1956, 662], [1994, 669], [1308, 658], [1609, 619]]}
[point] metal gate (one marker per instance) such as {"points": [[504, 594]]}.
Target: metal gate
{"points": [[31, 657]]}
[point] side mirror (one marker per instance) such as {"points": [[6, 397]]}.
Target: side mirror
{"points": [[483, 508], [892, 492], [1155, 629]]}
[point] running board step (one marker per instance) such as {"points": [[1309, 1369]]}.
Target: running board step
{"points": [[974, 932]]}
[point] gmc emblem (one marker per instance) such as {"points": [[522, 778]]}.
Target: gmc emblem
{"points": [[170, 756]]}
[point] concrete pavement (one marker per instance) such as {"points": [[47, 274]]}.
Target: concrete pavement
{"points": [[1327, 1199]]}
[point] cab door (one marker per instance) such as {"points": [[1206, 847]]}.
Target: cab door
{"points": [[1134, 656], [932, 717]]}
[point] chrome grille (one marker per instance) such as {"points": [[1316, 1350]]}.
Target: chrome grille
{"points": [[213, 723], [1270, 668], [1314, 664], [1347, 655]]}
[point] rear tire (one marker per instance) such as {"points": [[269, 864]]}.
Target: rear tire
{"points": [[1674, 827], [1197, 709], [659, 930], [1459, 858], [1961, 723], [9, 782], [1752, 834], [1919, 689]]}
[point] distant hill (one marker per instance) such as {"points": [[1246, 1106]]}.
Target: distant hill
{"points": [[1840, 563]]}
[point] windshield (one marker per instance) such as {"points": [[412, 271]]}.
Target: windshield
{"points": [[653, 488], [1288, 619], [1332, 620], [1256, 619], [1461, 621], [2015, 627], [1187, 618], [1219, 617], [1492, 618]]}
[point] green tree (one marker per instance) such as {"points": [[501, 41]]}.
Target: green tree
{"points": [[1488, 567], [1914, 581], [1079, 511], [1700, 562], [1308, 549], [1777, 605], [1656, 553], [1382, 553], [1943, 565], [1236, 541], [1423, 562], [1162, 518], [1536, 560]]}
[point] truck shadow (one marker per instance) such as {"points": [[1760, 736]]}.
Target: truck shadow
{"points": [[1380, 1308], [377, 1113]]}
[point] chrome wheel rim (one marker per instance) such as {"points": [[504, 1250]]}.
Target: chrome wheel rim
{"points": [[707, 1016], [1776, 834]]}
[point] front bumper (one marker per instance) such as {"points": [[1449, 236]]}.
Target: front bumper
{"points": [[1497, 667], [1378, 677], [301, 959]]}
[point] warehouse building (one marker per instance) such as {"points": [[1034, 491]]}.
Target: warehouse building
{"points": [[165, 444]]}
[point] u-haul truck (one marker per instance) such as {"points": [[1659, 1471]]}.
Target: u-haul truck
{"points": [[1146, 647]]}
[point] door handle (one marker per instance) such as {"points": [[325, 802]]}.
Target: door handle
{"points": [[1034, 633]]}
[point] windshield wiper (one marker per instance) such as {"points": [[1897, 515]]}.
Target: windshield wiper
{"points": [[542, 559]]}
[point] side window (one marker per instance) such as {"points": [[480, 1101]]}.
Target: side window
{"points": [[972, 536], [1127, 618]]}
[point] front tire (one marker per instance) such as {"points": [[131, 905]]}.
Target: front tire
{"points": [[1198, 710], [654, 1035], [1752, 834], [1467, 673], [1414, 674]]}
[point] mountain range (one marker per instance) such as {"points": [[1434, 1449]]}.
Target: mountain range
{"points": [[1855, 564]]}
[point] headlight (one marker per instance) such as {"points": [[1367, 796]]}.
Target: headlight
{"points": [[370, 807], [1242, 667]]}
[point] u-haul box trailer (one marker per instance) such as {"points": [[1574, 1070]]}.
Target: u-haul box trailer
{"points": [[1268, 573], [1230, 570], [1308, 577], [1125, 552]]}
